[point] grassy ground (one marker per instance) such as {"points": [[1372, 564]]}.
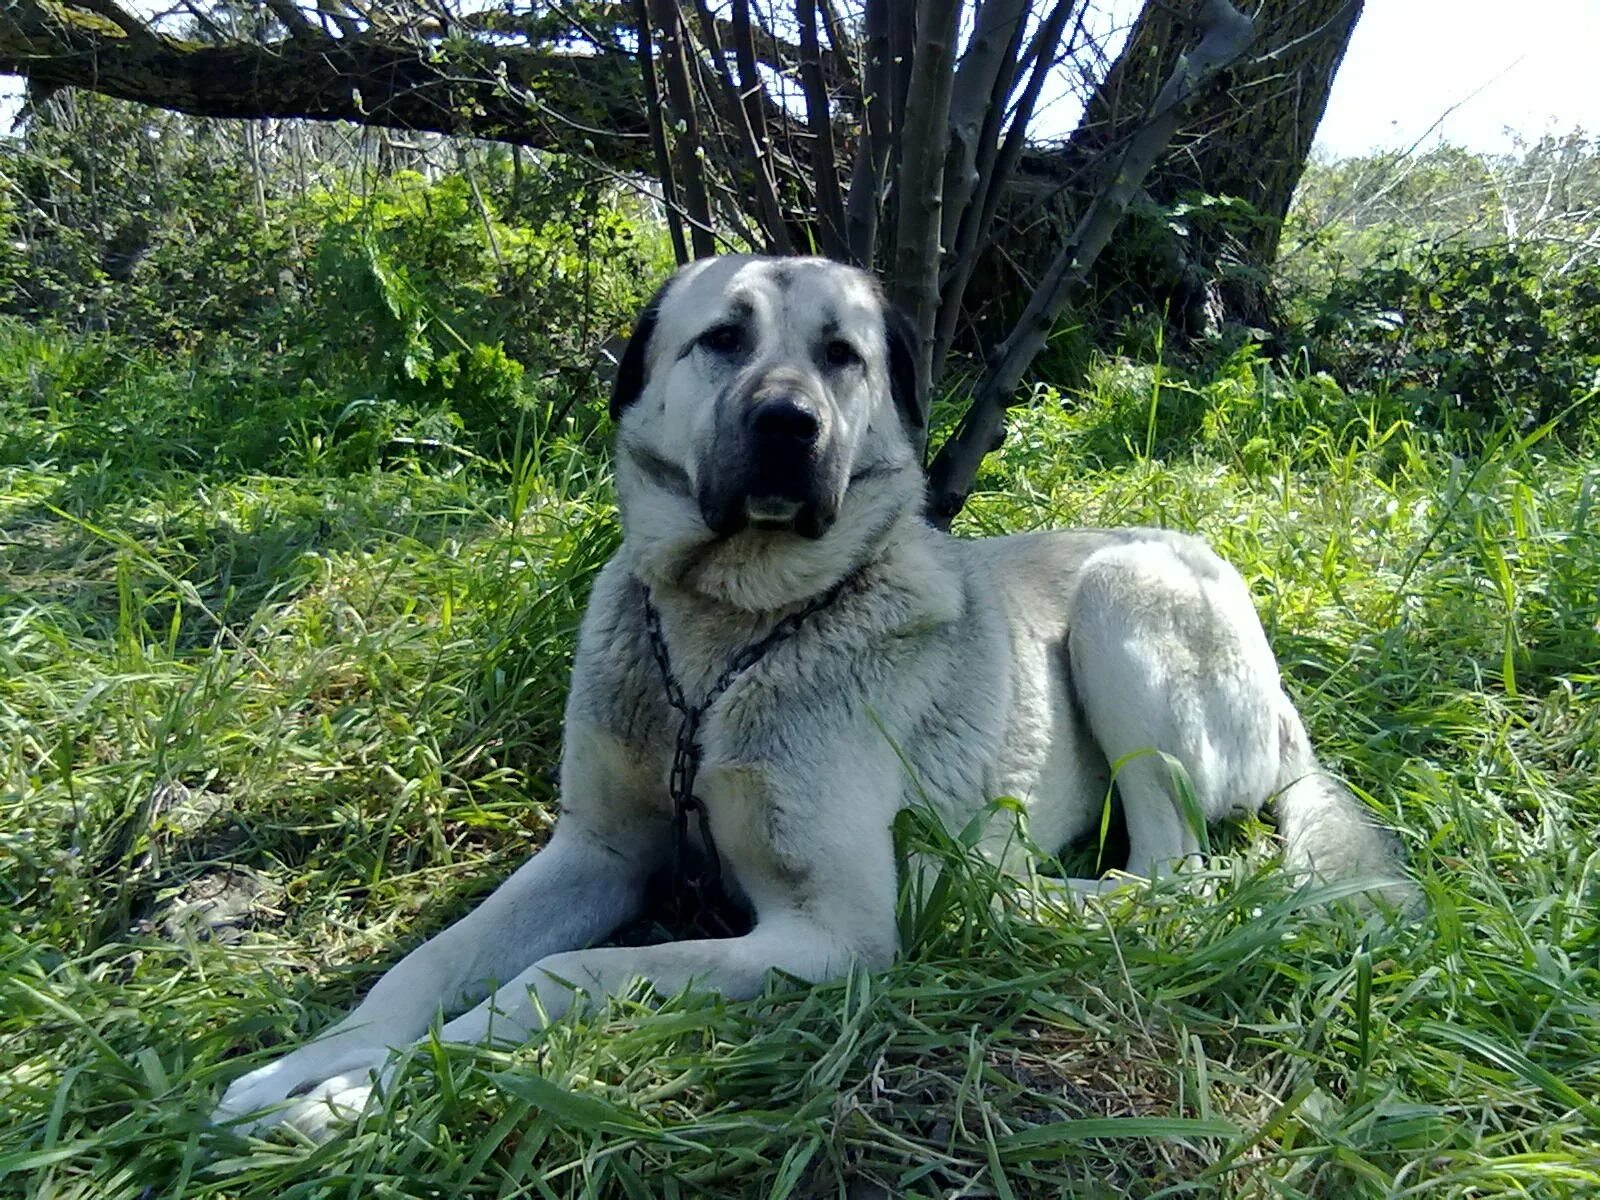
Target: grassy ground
{"points": [[263, 727]]}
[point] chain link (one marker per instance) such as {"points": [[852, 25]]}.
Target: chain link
{"points": [[706, 881]]}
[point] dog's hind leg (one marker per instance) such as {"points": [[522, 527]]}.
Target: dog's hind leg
{"points": [[1179, 688]]}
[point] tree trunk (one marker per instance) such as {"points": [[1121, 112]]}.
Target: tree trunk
{"points": [[1249, 139]]}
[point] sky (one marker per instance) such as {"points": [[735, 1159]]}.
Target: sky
{"points": [[1474, 67], [1531, 65]]}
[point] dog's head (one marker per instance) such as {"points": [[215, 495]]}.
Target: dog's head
{"points": [[768, 428]]}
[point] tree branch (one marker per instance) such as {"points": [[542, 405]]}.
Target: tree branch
{"points": [[1227, 34], [752, 162], [295, 21], [902, 26], [982, 86], [132, 27], [753, 99], [658, 132], [824, 164], [872, 146], [997, 163], [549, 100], [920, 181], [690, 166]]}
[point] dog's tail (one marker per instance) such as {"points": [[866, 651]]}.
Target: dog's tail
{"points": [[1328, 834]]}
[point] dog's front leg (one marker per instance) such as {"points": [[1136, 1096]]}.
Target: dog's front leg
{"points": [[812, 846], [588, 880], [733, 967]]}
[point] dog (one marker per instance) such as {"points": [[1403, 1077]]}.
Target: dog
{"points": [[783, 653]]}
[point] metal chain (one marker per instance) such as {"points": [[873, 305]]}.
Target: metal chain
{"points": [[706, 882]]}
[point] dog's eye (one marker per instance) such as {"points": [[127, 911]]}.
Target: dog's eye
{"points": [[840, 353], [723, 339]]}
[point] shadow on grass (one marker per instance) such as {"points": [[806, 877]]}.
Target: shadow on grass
{"points": [[98, 546]]}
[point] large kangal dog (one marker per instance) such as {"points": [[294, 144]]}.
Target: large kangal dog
{"points": [[784, 653]]}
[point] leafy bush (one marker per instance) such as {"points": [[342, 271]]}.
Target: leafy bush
{"points": [[129, 220], [362, 313], [327, 331], [1464, 283], [1477, 334], [1245, 409], [446, 295]]}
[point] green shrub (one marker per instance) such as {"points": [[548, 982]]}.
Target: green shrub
{"points": [[368, 313], [429, 293], [428, 319], [1475, 334]]}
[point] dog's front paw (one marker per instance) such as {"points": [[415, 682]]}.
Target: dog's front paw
{"points": [[331, 1105], [308, 1089]]}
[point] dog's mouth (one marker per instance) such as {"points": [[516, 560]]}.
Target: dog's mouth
{"points": [[766, 514], [783, 514], [773, 513]]}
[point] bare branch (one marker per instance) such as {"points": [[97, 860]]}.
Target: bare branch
{"points": [[996, 165], [824, 168], [752, 96], [658, 133], [920, 179], [744, 54], [295, 21], [690, 166], [740, 106], [203, 19], [872, 148], [335, 11], [1227, 34], [551, 100], [838, 37], [902, 26], [982, 86]]}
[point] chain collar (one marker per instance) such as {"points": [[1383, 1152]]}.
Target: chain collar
{"points": [[704, 881]]}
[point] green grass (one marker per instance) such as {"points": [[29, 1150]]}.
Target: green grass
{"points": [[331, 698]]}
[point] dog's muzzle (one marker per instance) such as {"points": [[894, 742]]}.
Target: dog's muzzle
{"points": [[775, 467]]}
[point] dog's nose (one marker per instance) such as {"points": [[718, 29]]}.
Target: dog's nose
{"points": [[785, 420]]}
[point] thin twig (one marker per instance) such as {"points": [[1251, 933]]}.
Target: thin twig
{"points": [[658, 134], [824, 168]]}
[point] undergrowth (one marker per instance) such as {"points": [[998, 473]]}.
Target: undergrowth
{"points": [[267, 720]]}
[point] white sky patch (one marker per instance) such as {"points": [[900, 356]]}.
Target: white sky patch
{"points": [[1527, 65]]}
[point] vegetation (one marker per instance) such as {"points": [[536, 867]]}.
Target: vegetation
{"points": [[899, 137], [288, 586], [1469, 283]]}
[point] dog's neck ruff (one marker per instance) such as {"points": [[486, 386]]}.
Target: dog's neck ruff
{"points": [[705, 879]]}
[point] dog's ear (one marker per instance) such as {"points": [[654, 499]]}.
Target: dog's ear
{"points": [[909, 398], [629, 379]]}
